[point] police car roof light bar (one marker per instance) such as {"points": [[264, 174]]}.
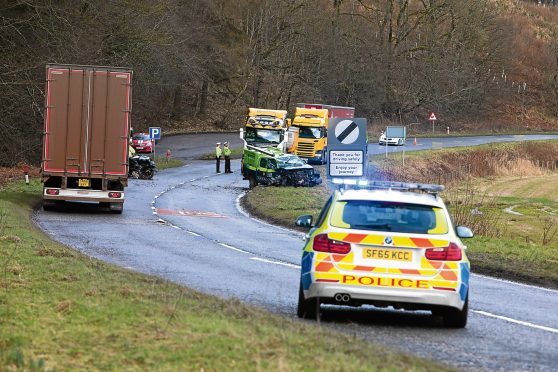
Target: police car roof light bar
{"points": [[391, 185]]}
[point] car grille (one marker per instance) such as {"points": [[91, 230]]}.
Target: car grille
{"points": [[305, 149]]}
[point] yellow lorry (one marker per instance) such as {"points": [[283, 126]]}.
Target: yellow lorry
{"points": [[312, 121], [265, 128]]}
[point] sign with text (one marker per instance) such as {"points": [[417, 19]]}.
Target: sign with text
{"points": [[345, 157], [346, 170], [347, 147]]}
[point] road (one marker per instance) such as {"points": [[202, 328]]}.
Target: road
{"points": [[185, 226]]}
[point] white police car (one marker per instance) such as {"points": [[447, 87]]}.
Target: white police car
{"points": [[385, 244]]}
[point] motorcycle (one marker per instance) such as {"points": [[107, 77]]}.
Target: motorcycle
{"points": [[142, 167]]}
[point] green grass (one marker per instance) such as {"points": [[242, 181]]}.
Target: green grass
{"points": [[282, 205], [163, 163], [235, 154], [60, 310]]}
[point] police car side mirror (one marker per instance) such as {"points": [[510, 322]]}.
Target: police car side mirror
{"points": [[304, 221], [464, 232]]}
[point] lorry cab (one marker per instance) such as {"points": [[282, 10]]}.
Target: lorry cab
{"points": [[311, 120], [312, 133]]}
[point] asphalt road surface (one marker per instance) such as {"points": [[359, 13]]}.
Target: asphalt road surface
{"points": [[186, 226]]}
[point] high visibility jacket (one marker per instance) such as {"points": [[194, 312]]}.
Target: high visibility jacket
{"points": [[218, 152], [227, 151]]}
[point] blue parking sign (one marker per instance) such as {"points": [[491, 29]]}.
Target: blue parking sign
{"points": [[155, 132]]}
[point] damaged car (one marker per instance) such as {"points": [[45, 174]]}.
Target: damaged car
{"points": [[272, 167]]}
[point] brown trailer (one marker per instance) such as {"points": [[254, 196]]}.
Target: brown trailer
{"points": [[85, 143]]}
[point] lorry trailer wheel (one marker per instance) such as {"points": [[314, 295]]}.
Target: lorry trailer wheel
{"points": [[116, 208], [49, 205]]}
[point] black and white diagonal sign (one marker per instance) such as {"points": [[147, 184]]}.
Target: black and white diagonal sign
{"points": [[346, 132]]}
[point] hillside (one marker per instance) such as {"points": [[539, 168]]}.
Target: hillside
{"points": [[485, 65]]}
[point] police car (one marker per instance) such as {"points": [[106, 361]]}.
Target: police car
{"points": [[385, 244], [395, 141]]}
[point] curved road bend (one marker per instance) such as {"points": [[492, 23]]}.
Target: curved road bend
{"points": [[184, 226]]}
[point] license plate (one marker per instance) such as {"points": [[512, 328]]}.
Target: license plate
{"points": [[83, 182], [387, 254]]}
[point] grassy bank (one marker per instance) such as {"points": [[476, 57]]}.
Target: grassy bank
{"points": [[61, 310], [485, 183], [163, 163]]}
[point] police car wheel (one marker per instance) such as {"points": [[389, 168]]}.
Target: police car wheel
{"points": [[453, 318], [307, 309]]}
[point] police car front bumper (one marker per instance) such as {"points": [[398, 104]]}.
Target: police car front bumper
{"points": [[418, 298]]}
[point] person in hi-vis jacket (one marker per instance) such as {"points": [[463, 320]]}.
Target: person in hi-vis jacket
{"points": [[227, 154], [218, 153]]}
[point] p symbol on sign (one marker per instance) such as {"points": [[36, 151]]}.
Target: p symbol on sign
{"points": [[155, 132]]}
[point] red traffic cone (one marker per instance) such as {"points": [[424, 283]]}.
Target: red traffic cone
{"points": [[415, 141]]}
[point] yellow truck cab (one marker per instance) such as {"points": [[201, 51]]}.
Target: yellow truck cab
{"points": [[312, 121], [312, 133], [264, 128]]}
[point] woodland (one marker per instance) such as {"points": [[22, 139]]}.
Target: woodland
{"points": [[486, 66]]}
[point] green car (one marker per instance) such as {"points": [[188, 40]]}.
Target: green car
{"points": [[270, 166]]}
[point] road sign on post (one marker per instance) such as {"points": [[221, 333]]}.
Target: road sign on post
{"points": [[346, 147], [154, 134], [433, 119], [396, 132]]}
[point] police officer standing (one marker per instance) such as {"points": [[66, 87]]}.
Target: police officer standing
{"points": [[218, 153], [227, 154]]}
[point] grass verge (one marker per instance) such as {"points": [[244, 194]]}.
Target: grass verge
{"points": [[163, 163], [62, 310]]}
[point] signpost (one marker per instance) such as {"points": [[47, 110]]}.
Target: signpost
{"points": [[396, 132], [154, 134], [347, 147], [433, 119]]}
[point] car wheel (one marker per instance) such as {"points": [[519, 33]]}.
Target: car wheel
{"points": [[147, 174], [453, 318], [306, 309], [253, 182]]}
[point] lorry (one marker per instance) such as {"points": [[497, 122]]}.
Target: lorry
{"points": [[86, 135], [265, 160], [265, 128], [311, 119]]}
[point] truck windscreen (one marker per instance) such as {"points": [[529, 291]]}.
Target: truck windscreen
{"points": [[310, 132], [254, 135]]}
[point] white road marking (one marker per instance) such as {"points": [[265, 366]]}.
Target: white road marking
{"points": [[193, 233], [233, 248], [176, 227], [276, 262], [516, 283], [520, 322]]}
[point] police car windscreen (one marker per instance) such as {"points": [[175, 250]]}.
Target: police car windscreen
{"points": [[389, 216]]}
